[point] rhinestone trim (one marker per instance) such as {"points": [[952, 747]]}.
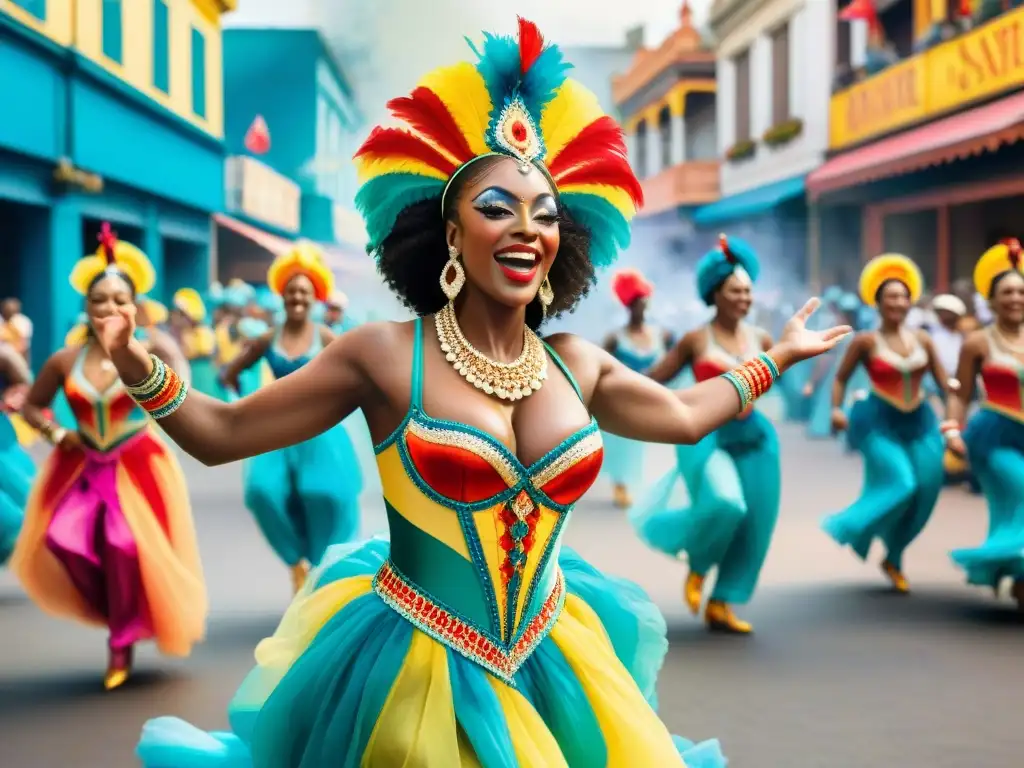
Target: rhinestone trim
{"points": [[456, 438], [582, 449], [462, 637]]}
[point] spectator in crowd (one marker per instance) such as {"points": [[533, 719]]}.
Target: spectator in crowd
{"points": [[15, 328]]}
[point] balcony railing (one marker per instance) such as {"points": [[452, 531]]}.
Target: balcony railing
{"points": [[692, 183], [262, 194], [975, 66]]}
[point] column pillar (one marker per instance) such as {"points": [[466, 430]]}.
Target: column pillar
{"points": [[65, 249], [153, 247], [678, 138], [814, 247], [653, 151], [873, 232], [942, 252], [631, 150]]}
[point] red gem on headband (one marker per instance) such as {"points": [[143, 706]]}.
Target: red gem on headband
{"points": [[1013, 245], [108, 240], [723, 244]]}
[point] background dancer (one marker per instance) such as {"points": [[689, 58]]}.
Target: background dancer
{"points": [[894, 428], [994, 438], [638, 346], [108, 537], [732, 475]]}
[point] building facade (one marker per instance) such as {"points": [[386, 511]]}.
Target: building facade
{"points": [[114, 114], [666, 102], [304, 183], [924, 152], [773, 105]]}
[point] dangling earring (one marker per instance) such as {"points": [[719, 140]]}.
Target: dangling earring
{"points": [[451, 288], [545, 295]]}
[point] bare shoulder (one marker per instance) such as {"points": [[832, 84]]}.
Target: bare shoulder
{"points": [[976, 342], [583, 359], [62, 360], [375, 345]]}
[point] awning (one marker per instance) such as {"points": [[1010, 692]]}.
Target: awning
{"points": [[272, 243], [749, 203], [982, 129]]}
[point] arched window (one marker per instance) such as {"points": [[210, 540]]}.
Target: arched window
{"points": [[665, 136], [640, 162]]}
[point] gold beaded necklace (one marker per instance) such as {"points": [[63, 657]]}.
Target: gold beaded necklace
{"points": [[507, 381]]}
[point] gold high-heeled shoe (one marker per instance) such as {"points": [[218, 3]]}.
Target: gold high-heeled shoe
{"points": [[693, 592], [119, 668], [299, 573], [621, 498], [720, 618], [895, 575]]}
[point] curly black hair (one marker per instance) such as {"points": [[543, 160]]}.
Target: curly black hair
{"points": [[411, 257]]}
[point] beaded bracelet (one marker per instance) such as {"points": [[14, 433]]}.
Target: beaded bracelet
{"points": [[753, 378], [161, 393]]}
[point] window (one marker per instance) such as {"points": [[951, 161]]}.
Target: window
{"points": [[665, 136], [161, 46], [198, 73], [35, 7], [780, 75], [742, 66], [641, 149], [113, 30]]}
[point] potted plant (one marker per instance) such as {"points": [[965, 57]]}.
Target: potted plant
{"points": [[784, 132], [741, 150]]}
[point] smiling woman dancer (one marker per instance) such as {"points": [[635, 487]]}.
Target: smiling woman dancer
{"points": [[473, 638], [895, 429], [994, 438], [108, 536]]}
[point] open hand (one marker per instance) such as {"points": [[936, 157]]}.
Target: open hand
{"points": [[116, 330], [798, 342], [14, 398]]}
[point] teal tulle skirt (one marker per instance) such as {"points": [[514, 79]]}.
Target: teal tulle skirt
{"points": [[323, 699], [16, 473], [995, 447], [733, 478]]}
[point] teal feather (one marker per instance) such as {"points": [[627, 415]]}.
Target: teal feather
{"points": [[381, 200], [609, 229]]}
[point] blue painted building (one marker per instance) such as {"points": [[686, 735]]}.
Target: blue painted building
{"points": [[114, 113], [304, 184]]}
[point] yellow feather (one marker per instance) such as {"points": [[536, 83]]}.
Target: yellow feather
{"points": [[85, 271], [464, 92], [303, 257], [371, 166], [993, 262], [614, 195], [572, 109], [890, 266]]}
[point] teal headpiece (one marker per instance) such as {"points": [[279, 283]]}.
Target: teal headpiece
{"points": [[715, 267]]}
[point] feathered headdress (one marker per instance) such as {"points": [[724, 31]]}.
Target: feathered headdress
{"points": [[190, 303], [890, 266], [630, 285], [718, 264], [118, 257], [517, 102], [303, 259], [996, 260], [154, 312]]}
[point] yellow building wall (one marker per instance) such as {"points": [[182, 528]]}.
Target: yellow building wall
{"points": [[79, 24]]}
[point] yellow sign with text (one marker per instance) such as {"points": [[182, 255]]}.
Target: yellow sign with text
{"points": [[983, 63]]}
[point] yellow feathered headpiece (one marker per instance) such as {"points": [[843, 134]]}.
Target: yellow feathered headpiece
{"points": [[155, 312], [995, 261], [514, 102], [189, 302], [304, 259], [890, 266], [117, 257]]}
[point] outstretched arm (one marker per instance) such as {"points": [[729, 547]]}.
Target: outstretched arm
{"points": [[288, 411], [634, 406], [678, 357]]}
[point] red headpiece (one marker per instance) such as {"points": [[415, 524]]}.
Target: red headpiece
{"points": [[1013, 244], [630, 285], [723, 245], [108, 239]]}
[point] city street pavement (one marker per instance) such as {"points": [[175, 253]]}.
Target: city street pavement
{"points": [[841, 673]]}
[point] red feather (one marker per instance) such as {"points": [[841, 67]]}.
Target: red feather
{"points": [[531, 44], [630, 285], [424, 111], [394, 142], [108, 240], [603, 136], [1013, 246], [723, 246], [611, 169]]}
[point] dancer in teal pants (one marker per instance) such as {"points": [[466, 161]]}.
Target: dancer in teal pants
{"points": [[893, 428], [16, 467], [994, 438], [638, 346], [733, 475]]}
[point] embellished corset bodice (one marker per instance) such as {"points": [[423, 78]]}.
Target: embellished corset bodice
{"points": [[105, 419], [279, 361], [475, 533], [1002, 380], [715, 359], [636, 357], [897, 378]]}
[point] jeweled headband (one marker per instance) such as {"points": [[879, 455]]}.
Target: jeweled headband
{"points": [[514, 102]]}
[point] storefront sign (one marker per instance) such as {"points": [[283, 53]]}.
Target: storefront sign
{"points": [[981, 64]]}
